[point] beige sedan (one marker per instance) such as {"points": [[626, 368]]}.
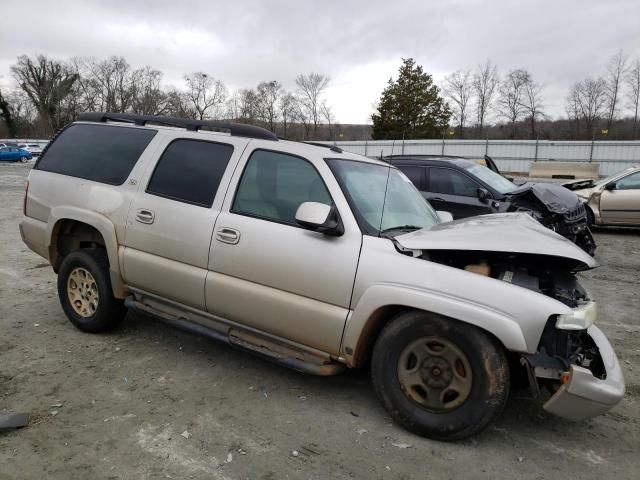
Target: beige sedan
{"points": [[614, 200]]}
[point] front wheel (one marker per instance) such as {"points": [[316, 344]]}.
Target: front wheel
{"points": [[84, 289], [438, 377]]}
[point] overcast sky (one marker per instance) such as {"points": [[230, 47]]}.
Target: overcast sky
{"points": [[357, 43]]}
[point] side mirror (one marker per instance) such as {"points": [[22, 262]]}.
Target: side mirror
{"points": [[610, 186], [483, 194], [444, 216], [319, 218]]}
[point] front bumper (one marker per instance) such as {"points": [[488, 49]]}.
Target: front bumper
{"points": [[585, 396]]}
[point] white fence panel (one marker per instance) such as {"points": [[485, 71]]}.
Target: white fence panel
{"points": [[511, 155]]}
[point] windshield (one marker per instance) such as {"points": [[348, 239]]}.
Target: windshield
{"points": [[383, 198], [495, 180]]}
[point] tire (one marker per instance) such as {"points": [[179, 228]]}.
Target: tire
{"points": [[478, 385], [84, 276], [23, 159]]}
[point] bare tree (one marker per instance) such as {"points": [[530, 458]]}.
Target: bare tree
{"points": [[6, 115], [458, 88], [510, 97], [328, 116], [633, 83], [179, 105], [485, 82], [147, 95], [589, 98], [107, 82], [615, 75], [268, 95], [46, 82], [311, 87], [287, 105], [532, 103], [248, 106], [205, 94]]}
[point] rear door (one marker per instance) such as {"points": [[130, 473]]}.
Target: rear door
{"points": [[454, 192], [622, 204], [171, 217]]}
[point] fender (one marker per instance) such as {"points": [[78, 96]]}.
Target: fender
{"points": [[106, 229], [501, 325]]}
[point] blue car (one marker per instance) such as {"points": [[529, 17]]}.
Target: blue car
{"points": [[14, 154]]}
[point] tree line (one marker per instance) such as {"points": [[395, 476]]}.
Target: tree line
{"points": [[51, 93], [473, 103], [482, 103]]}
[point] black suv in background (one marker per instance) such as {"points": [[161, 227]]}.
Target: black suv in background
{"points": [[466, 188]]}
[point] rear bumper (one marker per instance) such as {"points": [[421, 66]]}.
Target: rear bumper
{"points": [[585, 396], [33, 235]]}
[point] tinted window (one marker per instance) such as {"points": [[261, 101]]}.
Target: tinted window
{"points": [[96, 152], [414, 174], [445, 180], [273, 186], [190, 171]]}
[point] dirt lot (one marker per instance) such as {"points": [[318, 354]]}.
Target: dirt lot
{"points": [[115, 406]]}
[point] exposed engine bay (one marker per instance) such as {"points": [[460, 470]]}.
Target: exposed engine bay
{"points": [[551, 276]]}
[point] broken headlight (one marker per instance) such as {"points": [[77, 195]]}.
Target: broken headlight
{"points": [[582, 317]]}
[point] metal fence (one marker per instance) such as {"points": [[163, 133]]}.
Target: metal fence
{"points": [[511, 155]]}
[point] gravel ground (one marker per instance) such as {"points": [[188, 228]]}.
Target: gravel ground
{"points": [[147, 401]]}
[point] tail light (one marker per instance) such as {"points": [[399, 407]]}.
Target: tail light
{"points": [[24, 201]]}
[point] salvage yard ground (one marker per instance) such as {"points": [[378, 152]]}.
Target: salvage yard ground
{"points": [[147, 401]]}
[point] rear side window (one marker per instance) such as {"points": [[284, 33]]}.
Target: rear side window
{"points": [[101, 153], [414, 174], [190, 171]]}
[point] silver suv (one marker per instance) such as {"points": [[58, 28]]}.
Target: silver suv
{"points": [[319, 260]]}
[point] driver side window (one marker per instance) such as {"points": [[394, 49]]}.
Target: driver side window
{"points": [[273, 185], [632, 182]]}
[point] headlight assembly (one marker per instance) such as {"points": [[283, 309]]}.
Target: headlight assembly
{"points": [[582, 317]]}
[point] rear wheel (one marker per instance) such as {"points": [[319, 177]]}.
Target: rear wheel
{"points": [[438, 377], [23, 159], [84, 289]]}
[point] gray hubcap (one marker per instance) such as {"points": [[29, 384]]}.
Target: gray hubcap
{"points": [[434, 373]]}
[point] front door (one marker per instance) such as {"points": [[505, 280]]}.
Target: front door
{"points": [[622, 204], [269, 273], [172, 215], [455, 192]]}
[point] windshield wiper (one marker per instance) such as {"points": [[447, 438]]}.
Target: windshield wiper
{"points": [[401, 227]]}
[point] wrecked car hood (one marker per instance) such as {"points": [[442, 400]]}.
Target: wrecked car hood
{"points": [[499, 232], [556, 198]]}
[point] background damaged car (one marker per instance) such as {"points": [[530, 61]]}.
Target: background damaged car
{"points": [[612, 201], [465, 188]]}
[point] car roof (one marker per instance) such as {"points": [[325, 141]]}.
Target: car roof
{"points": [[430, 160]]}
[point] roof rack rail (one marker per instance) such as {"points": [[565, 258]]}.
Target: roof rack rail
{"points": [[235, 129], [333, 148]]}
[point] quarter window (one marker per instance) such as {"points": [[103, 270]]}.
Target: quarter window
{"points": [[190, 171], [101, 153], [447, 181], [273, 185], [414, 174]]}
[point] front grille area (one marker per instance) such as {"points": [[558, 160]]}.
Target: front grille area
{"points": [[576, 214]]}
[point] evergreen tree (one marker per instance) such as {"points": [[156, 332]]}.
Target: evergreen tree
{"points": [[410, 107]]}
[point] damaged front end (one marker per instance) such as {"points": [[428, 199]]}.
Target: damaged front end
{"points": [[557, 209]]}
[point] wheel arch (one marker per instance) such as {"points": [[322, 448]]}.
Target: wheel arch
{"points": [[70, 228], [376, 308]]}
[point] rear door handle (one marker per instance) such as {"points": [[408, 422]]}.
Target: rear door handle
{"points": [[437, 199], [144, 216], [228, 235]]}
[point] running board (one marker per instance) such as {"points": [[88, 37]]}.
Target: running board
{"points": [[246, 341]]}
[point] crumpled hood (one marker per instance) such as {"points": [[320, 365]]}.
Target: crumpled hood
{"points": [[499, 232], [556, 198]]}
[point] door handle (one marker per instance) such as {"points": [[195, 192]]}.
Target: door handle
{"points": [[437, 199], [228, 235], [144, 216]]}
